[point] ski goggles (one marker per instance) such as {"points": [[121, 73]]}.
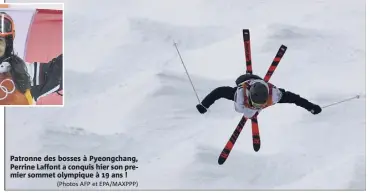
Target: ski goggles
{"points": [[256, 105], [2, 46], [6, 26]]}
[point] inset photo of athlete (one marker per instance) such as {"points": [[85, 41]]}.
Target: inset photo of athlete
{"points": [[31, 55]]}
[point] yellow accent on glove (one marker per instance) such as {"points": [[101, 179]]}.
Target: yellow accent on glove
{"points": [[29, 97]]}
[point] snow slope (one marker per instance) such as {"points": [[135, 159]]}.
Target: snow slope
{"points": [[127, 94]]}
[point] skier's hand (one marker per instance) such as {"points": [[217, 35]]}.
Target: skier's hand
{"points": [[201, 108], [316, 109]]}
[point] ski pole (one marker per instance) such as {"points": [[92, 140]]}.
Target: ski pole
{"points": [[342, 101], [178, 52]]}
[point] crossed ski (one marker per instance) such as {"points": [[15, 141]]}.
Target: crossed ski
{"points": [[255, 130]]}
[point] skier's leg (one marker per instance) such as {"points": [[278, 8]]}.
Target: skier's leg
{"points": [[241, 79], [220, 92], [289, 97], [246, 77]]}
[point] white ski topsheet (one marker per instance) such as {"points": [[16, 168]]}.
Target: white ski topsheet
{"points": [[127, 93]]}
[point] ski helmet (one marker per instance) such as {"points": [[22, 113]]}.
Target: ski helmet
{"points": [[7, 35], [258, 94]]}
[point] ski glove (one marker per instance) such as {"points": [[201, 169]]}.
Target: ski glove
{"points": [[316, 109], [201, 108]]}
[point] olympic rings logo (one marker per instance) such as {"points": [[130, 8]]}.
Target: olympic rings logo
{"points": [[5, 89]]}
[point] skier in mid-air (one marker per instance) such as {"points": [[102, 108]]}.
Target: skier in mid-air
{"points": [[253, 94]]}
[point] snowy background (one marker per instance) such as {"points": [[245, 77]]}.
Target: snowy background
{"points": [[127, 93]]}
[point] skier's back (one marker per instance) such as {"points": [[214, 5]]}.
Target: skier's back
{"points": [[253, 94]]}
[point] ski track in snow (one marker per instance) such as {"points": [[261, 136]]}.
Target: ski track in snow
{"points": [[127, 94]]}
